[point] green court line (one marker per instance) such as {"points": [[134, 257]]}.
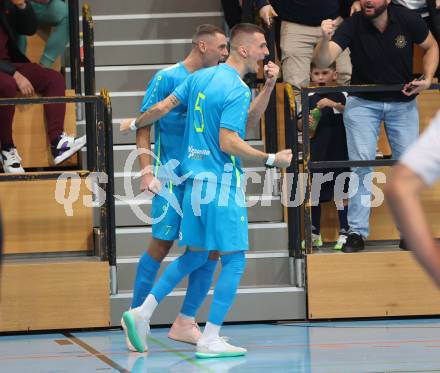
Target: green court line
{"points": [[188, 359]]}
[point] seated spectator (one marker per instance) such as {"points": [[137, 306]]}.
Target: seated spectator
{"points": [[300, 32], [53, 13], [17, 74], [328, 143]]}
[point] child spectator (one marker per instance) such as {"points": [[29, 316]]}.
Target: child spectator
{"points": [[328, 143]]}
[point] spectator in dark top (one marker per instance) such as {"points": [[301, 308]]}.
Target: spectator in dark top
{"points": [[17, 74], [300, 32], [428, 9], [381, 39], [232, 11], [328, 143]]}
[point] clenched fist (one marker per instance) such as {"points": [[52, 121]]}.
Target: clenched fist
{"points": [[328, 28]]}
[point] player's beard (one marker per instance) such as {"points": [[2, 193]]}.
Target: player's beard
{"points": [[377, 12]]}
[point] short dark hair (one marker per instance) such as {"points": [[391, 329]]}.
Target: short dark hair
{"points": [[206, 29], [246, 28], [331, 66]]}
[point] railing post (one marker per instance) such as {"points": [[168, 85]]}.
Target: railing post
{"points": [[293, 212], [99, 148], [89, 81], [75, 63], [270, 114], [306, 159], [110, 199]]}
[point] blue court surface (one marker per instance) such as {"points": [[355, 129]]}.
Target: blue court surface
{"points": [[362, 346]]}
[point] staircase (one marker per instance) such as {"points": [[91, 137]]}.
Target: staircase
{"points": [[132, 41]]}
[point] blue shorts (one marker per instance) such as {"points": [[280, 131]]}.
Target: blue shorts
{"points": [[220, 224], [169, 225]]}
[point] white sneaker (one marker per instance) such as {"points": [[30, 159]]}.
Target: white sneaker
{"points": [[127, 340], [136, 330], [10, 160], [342, 239], [66, 147], [217, 347]]}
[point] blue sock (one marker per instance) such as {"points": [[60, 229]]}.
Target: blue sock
{"points": [[198, 286], [227, 284], [176, 271], [145, 274]]}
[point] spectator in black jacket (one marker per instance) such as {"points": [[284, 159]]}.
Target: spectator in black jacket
{"points": [[301, 31], [18, 74]]}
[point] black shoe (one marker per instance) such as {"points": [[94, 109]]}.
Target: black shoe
{"points": [[402, 245], [354, 243]]}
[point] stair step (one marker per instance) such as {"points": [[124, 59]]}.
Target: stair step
{"points": [[123, 78], [132, 241], [258, 179], [121, 153], [99, 7], [263, 209], [141, 52], [283, 302], [252, 133], [255, 274], [144, 27]]}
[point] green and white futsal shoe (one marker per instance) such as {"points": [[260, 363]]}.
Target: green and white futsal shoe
{"points": [[340, 242], [316, 241], [136, 330], [218, 347]]}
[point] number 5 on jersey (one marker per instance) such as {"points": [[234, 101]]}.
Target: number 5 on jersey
{"points": [[199, 121]]}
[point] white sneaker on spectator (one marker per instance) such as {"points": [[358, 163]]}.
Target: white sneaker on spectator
{"points": [[66, 147], [11, 161], [217, 347]]}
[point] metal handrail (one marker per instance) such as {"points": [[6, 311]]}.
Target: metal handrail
{"points": [[89, 77], [270, 115], [101, 145], [296, 256], [74, 43], [110, 190], [308, 165]]}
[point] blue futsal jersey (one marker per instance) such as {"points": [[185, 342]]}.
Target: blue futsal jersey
{"points": [[216, 98], [169, 130]]}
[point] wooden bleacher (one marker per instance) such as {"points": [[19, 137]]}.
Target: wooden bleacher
{"points": [[50, 279], [383, 282]]}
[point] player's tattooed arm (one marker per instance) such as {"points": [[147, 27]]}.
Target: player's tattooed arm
{"points": [[150, 116]]}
